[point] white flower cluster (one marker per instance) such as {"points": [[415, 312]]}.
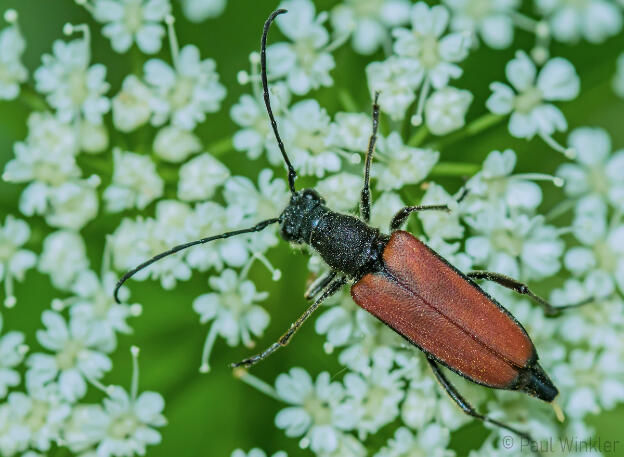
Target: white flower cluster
{"points": [[57, 163], [369, 22], [425, 57], [49, 411], [318, 145], [14, 261], [527, 100], [200, 10], [593, 20], [132, 21], [12, 46], [79, 334], [306, 61], [127, 155]]}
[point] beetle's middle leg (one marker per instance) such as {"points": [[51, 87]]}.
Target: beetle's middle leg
{"points": [[331, 289], [521, 288], [466, 407], [401, 216]]}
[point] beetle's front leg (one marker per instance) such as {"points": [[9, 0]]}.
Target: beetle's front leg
{"points": [[331, 289], [319, 284]]}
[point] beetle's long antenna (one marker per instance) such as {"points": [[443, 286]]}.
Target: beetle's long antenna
{"points": [[256, 228], [292, 174]]}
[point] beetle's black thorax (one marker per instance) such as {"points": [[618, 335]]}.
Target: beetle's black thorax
{"points": [[343, 241]]}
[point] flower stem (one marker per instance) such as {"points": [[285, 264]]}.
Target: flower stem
{"points": [[560, 208], [86, 6], [417, 119], [173, 40], [257, 383], [208, 344], [134, 383], [220, 147], [98, 385], [455, 169], [347, 101], [483, 123], [570, 153], [106, 256], [419, 136], [338, 41], [9, 300], [276, 273], [32, 99], [524, 22], [102, 166], [558, 182], [475, 127]]}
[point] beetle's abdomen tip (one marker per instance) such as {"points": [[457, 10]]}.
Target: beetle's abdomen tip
{"points": [[534, 381]]}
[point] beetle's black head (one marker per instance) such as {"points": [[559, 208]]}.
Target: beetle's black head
{"points": [[301, 216]]}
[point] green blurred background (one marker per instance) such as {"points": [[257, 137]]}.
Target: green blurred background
{"points": [[210, 415]]}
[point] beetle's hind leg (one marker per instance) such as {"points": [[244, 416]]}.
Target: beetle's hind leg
{"points": [[521, 288], [467, 407], [330, 290], [365, 194]]}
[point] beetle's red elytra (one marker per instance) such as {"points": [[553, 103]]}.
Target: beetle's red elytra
{"points": [[435, 307]]}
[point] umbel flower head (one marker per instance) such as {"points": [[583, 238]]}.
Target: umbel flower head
{"points": [[369, 21], [125, 423], [527, 99], [12, 46], [233, 311], [597, 171], [131, 21], [316, 410], [491, 20], [305, 63], [14, 260], [12, 354], [427, 44], [594, 20], [73, 86], [78, 356]]}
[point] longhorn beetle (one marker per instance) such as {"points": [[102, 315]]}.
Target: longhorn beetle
{"points": [[405, 284]]}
